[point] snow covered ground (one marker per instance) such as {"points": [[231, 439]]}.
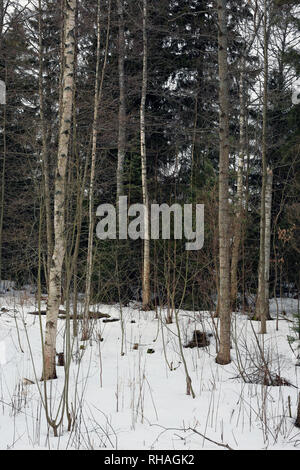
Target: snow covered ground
{"points": [[135, 400]]}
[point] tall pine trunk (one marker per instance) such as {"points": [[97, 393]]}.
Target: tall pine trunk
{"points": [[223, 356], [54, 297], [261, 306]]}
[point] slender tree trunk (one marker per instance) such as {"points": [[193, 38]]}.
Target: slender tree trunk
{"points": [[81, 182], [122, 104], [261, 310], [62, 45], [268, 205], [223, 356], [97, 99], [146, 254], [45, 154], [85, 331], [3, 181], [4, 146], [239, 195], [1, 21], [54, 297], [297, 423]]}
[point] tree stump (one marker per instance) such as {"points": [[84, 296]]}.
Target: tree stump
{"points": [[199, 340], [60, 359]]}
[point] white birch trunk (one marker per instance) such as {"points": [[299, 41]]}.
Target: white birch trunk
{"points": [[45, 154], [54, 297]]}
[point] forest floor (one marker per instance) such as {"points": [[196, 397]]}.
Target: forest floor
{"points": [[135, 400]]}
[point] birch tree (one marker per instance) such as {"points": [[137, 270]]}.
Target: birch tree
{"points": [[223, 356], [146, 254], [261, 306], [45, 153], [97, 99], [55, 278], [250, 36], [239, 194]]}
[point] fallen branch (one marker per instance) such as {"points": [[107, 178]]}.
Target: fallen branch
{"points": [[220, 444]]}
